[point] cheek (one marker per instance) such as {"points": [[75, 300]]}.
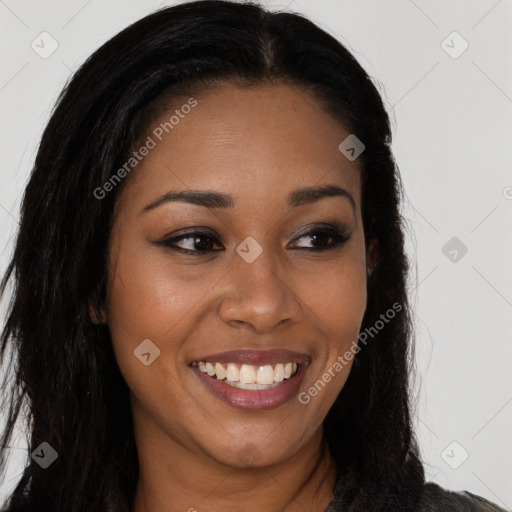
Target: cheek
{"points": [[336, 301], [145, 303], [147, 297], [148, 301], [336, 295]]}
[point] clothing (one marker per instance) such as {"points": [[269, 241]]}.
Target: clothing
{"points": [[435, 499]]}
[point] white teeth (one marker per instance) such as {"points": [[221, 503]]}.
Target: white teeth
{"points": [[265, 375], [220, 372], [232, 373], [241, 385], [279, 372], [247, 374]]}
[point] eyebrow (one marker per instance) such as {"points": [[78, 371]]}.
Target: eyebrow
{"points": [[212, 199]]}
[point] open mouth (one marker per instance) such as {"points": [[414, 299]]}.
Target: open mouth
{"points": [[248, 376], [252, 379]]}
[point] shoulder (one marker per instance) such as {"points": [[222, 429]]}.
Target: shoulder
{"points": [[434, 498]]}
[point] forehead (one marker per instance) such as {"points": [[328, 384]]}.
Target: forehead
{"points": [[256, 143]]}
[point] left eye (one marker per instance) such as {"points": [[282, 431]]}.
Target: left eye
{"points": [[320, 236]]}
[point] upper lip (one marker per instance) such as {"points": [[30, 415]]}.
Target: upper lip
{"points": [[256, 357]]}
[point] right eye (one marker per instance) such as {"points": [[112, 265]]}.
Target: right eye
{"points": [[199, 243]]}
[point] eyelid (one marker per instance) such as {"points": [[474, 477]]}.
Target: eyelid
{"points": [[333, 224], [168, 241]]}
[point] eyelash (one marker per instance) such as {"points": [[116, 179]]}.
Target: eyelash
{"points": [[339, 234]]}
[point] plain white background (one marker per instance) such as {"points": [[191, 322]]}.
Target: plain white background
{"points": [[451, 112]]}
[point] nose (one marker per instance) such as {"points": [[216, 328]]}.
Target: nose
{"points": [[259, 296]]}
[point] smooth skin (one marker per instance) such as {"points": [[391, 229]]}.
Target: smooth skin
{"points": [[256, 144]]}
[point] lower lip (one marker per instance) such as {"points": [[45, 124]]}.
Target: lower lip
{"points": [[254, 400]]}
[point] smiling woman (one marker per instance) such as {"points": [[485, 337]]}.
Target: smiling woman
{"points": [[227, 322]]}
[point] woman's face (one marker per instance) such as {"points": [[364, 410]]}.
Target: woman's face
{"points": [[269, 282]]}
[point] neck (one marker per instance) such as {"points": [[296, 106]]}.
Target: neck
{"points": [[172, 479]]}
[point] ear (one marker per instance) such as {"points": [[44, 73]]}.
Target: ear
{"points": [[97, 313], [372, 255], [98, 317]]}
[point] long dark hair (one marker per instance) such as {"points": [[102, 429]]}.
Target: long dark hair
{"points": [[65, 369]]}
